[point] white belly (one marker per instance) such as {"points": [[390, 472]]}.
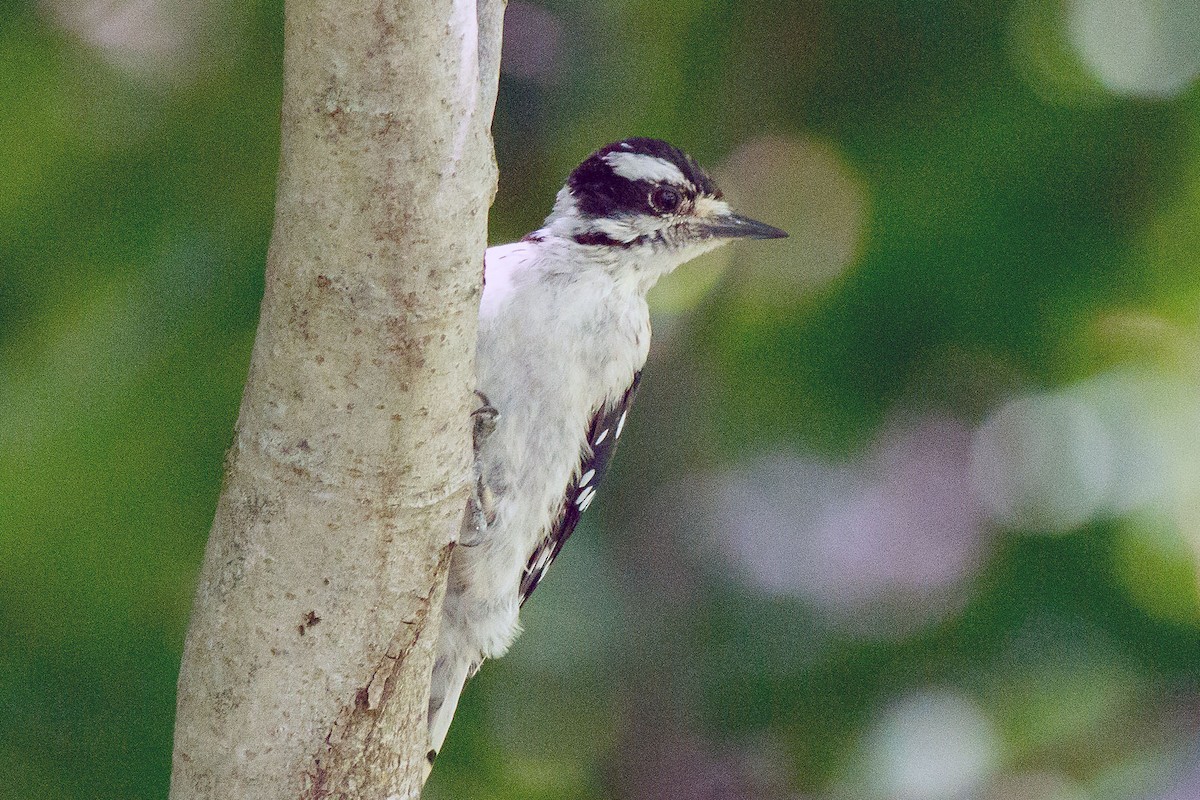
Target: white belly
{"points": [[550, 354]]}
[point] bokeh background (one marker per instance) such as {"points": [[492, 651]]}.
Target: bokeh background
{"points": [[909, 507]]}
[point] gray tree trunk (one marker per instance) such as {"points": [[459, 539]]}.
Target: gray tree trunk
{"points": [[306, 668]]}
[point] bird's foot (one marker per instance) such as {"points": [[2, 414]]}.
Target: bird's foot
{"points": [[481, 506], [485, 417]]}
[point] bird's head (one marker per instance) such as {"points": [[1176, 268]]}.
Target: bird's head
{"points": [[645, 205]]}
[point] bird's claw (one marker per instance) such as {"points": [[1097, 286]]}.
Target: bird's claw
{"points": [[481, 506], [485, 417]]}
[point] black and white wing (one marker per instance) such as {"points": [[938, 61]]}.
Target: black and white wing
{"points": [[603, 432]]}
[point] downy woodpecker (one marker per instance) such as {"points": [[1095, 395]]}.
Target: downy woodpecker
{"points": [[563, 333]]}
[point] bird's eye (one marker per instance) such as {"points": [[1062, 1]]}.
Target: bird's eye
{"points": [[664, 199]]}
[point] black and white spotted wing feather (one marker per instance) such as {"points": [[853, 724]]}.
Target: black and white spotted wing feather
{"points": [[603, 432]]}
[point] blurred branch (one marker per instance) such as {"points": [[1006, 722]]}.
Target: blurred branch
{"points": [[306, 667]]}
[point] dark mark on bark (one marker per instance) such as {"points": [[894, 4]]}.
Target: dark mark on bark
{"points": [[310, 619], [319, 777]]}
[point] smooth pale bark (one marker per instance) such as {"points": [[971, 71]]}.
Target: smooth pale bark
{"points": [[306, 668]]}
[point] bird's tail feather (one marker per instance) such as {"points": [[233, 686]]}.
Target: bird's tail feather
{"points": [[449, 676]]}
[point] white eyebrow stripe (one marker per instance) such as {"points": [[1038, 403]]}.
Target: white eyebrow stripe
{"points": [[641, 167]]}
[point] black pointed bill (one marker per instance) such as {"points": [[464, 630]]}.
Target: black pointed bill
{"points": [[734, 226]]}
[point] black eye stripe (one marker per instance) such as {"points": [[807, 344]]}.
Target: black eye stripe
{"points": [[600, 192]]}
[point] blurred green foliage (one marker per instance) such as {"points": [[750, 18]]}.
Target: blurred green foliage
{"points": [[1013, 205]]}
